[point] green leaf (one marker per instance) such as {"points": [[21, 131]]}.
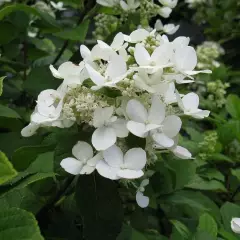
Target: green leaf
{"points": [[229, 131], [229, 211], [1, 85], [16, 223], [181, 229], [24, 156], [203, 236], [208, 224], [29, 10], [39, 79], [236, 173], [194, 134], [184, 171], [9, 32], [76, 34], [100, 207], [8, 112], [227, 235], [202, 184], [233, 106], [7, 171]]}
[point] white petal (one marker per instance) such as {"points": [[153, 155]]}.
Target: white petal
{"points": [[106, 171], [117, 67], [150, 127], [118, 41], [163, 140], [158, 25], [138, 35], [136, 111], [138, 129], [190, 101], [102, 116], [120, 127], [171, 126], [93, 161], [235, 225], [87, 169], [197, 72], [162, 54], [182, 152], [165, 12], [170, 28], [30, 130], [68, 69], [85, 52], [157, 111], [82, 151], [113, 156], [124, 5], [135, 159], [55, 72], [200, 114], [181, 42], [185, 58], [95, 76], [130, 174], [141, 55], [71, 165], [103, 138], [142, 200]]}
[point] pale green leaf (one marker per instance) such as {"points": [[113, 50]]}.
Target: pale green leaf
{"points": [[1, 85], [208, 224]]}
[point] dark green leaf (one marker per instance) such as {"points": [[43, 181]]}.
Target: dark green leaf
{"points": [[8, 112], [100, 207], [16, 223], [233, 106], [208, 224]]}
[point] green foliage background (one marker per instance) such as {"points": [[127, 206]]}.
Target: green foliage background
{"points": [[189, 199]]}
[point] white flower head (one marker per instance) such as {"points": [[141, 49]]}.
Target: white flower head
{"points": [[84, 161], [169, 3], [129, 5], [142, 201], [160, 58], [116, 70], [189, 105], [58, 6], [109, 127], [108, 3], [235, 225], [170, 28], [162, 128], [116, 165]]}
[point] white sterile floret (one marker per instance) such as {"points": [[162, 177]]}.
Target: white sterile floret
{"points": [[162, 128], [116, 165], [235, 225], [159, 59], [138, 35], [116, 70], [129, 5], [167, 28], [109, 127], [142, 201], [165, 12], [189, 105], [58, 6], [84, 161], [169, 3]]}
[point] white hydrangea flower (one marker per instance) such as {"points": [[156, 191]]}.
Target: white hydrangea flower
{"points": [[84, 162], [129, 5], [162, 128], [58, 6], [167, 28], [165, 12], [115, 71], [142, 201], [138, 35], [116, 165], [235, 225], [159, 59], [109, 127], [189, 105], [169, 3]]}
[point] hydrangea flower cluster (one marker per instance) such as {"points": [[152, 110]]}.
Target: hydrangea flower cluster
{"points": [[145, 9], [127, 87], [208, 53]]}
